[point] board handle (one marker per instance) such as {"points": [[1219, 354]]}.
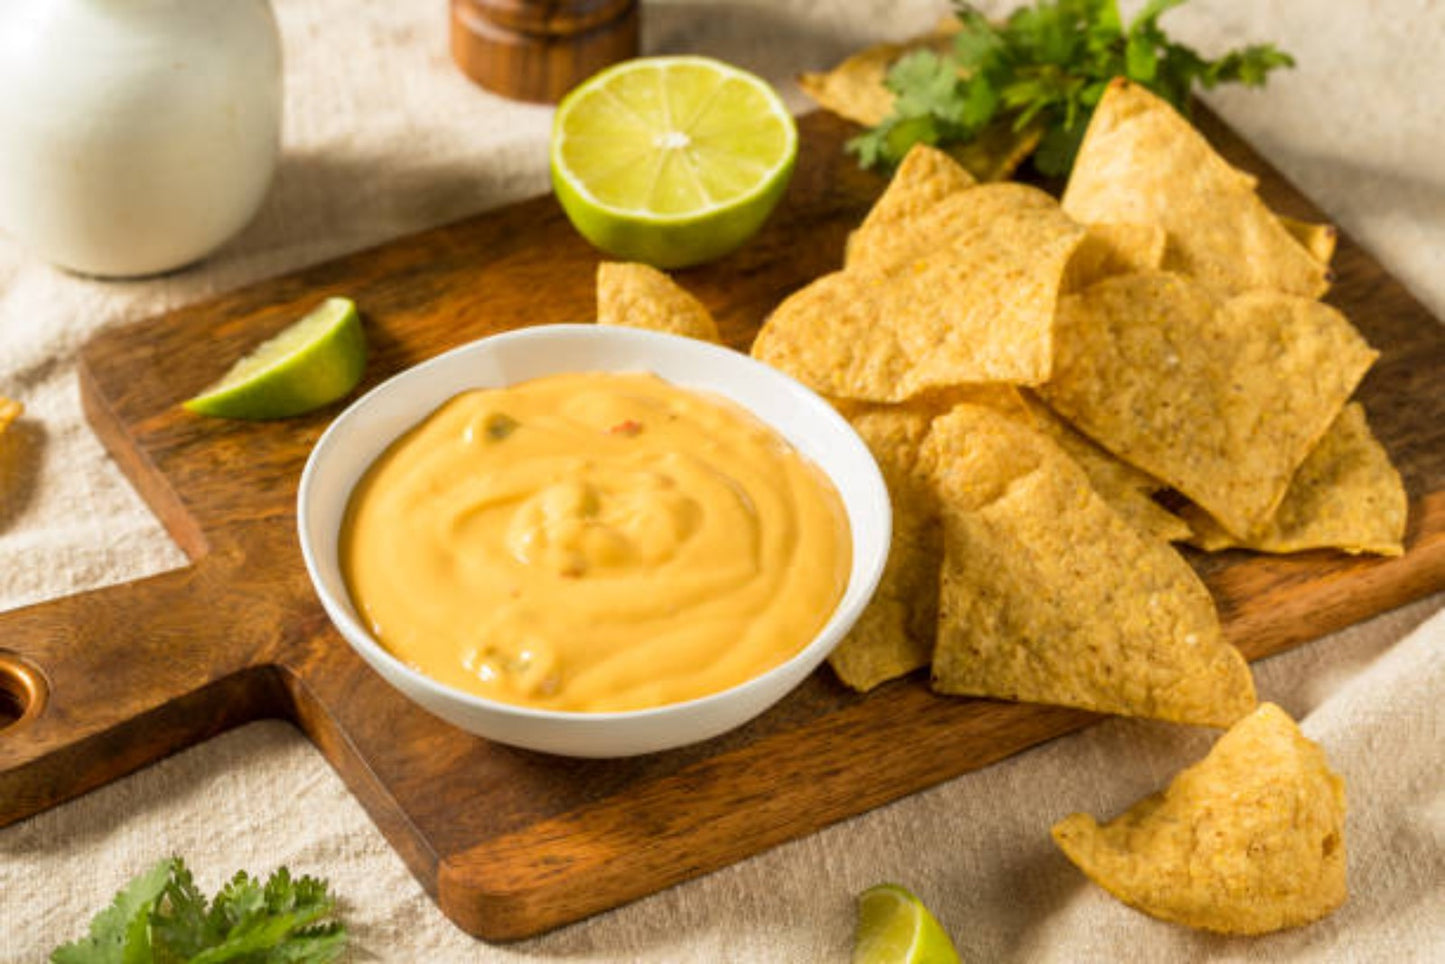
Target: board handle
{"points": [[97, 685]]}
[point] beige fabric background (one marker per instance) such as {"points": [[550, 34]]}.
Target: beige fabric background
{"points": [[382, 138]]}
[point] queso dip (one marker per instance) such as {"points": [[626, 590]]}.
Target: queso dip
{"points": [[594, 542]]}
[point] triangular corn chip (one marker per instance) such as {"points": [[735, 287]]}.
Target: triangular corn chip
{"points": [[1247, 841], [1346, 496], [1048, 596], [925, 179], [1127, 490], [1143, 162], [640, 296], [972, 303], [1221, 400], [895, 634]]}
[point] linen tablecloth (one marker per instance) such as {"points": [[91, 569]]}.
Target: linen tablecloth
{"points": [[384, 137]]}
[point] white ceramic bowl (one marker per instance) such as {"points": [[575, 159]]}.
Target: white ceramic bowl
{"points": [[364, 430]]}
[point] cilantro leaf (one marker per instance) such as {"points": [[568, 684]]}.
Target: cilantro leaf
{"points": [[1046, 64], [161, 917], [114, 937]]}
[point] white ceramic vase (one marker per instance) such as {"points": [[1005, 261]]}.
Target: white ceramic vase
{"points": [[136, 136]]}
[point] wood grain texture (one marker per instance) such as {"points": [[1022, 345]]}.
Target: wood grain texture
{"points": [[538, 50], [511, 842]]}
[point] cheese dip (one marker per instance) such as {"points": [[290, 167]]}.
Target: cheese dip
{"points": [[594, 542]]}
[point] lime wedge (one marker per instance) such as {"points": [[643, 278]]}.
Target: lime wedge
{"points": [[311, 363], [895, 928], [671, 161]]}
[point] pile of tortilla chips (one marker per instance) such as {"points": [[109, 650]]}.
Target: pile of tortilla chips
{"points": [[1030, 374]]}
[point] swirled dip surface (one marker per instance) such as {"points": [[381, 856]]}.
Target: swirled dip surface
{"points": [[594, 542]]}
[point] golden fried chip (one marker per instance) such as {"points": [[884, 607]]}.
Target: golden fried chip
{"points": [[1048, 596], [894, 635], [1110, 249], [1142, 162], [1247, 841], [925, 179], [1127, 489], [10, 410], [854, 90], [1346, 496], [1221, 400], [1318, 239], [640, 296], [926, 314]]}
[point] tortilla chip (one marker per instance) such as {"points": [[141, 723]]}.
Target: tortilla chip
{"points": [[894, 635], [1127, 490], [964, 296], [10, 410], [1048, 596], [1221, 400], [925, 179], [1110, 249], [855, 91], [1142, 162], [1346, 496], [1247, 841], [640, 296], [1318, 239]]}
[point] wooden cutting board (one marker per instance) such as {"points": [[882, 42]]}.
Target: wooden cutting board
{"points": [[512, 843]]}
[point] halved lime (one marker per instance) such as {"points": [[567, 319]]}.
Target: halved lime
{"points": [[895, 928], [671, 161], [311, 363]]}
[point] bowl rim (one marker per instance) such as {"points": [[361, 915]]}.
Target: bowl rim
{"points": [[832, 631]]}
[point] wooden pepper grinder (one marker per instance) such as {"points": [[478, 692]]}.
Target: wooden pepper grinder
{"points": [[537, 50]]}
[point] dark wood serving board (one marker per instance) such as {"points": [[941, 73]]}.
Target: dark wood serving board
{"points": [[512, 843]]}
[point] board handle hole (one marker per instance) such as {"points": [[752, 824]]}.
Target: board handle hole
{"points": [[22, 691]]}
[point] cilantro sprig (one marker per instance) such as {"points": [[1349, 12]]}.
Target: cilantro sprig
{"points": [[161, 917], [1046, 65]]}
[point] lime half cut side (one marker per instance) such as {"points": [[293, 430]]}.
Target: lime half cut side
{"points": [[671, 161], [309, 364], [895, 928]]}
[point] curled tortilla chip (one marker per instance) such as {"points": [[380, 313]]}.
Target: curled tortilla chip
{"points": [[10, 410], [964, 296], [1142, 162], [1346, 496], [1247, 841], [1221, 400], [1127, 490], [1110, 249], [855, 91], [1048, 596], [640, 296]]}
